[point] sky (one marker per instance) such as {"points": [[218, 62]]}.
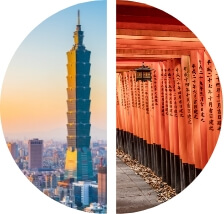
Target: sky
{"points": [[33, 99]]}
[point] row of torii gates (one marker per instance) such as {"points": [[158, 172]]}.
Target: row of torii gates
{"points": [[172, 123]]}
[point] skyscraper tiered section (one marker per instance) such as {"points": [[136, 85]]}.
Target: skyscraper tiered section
{"points": [[78, 163]]}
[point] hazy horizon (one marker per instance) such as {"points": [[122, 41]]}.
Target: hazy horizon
{"points": [[55, 134]]}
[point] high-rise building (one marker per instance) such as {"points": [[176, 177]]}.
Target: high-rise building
{"points": [[93, 193], [83, 192], [13, 148], [77, 189], [53, 181], [78, 163], [21, 152], [102, 184], [35, 150], [61, 192], [47, 180], [55, 158]]}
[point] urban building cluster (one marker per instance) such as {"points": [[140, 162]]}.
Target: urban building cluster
{"points": [[43, 162]]}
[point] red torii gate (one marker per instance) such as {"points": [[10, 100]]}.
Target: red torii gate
{"points": [[172, 123]]}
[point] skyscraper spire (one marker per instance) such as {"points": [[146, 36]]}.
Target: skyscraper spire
{"points": [[78, 34], [78, 17]]}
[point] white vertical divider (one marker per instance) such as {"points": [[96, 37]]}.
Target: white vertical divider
{"points": [[111, 106]]}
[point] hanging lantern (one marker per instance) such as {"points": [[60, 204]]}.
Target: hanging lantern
{"points": [[143, 73]]}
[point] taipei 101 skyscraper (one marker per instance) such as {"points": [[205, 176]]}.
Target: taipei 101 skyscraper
{"points": [[78, 162]]}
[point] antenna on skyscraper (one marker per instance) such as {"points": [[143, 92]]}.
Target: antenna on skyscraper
{"points": [[78, 17]]}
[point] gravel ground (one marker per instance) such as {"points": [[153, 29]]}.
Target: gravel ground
{"points": [[164, 191]]}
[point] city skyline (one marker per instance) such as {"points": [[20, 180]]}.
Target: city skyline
{"points": [[35, 80], [43, 166]]}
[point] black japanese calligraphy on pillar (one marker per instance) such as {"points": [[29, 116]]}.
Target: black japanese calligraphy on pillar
{"points": [[125, 90], [162, 93], [146, 97], [134, 91], [152, 95], [201, 90], [218, 100], [188, 94], [155, 87], [166, 92], [210, 95], [194, 91], [178, 86], [170, 90], [175, 112], [142, 96], [131, 90], [122, 90], [138, 95]]}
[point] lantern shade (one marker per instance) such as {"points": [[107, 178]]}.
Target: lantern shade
{"points": [[143, 73]]}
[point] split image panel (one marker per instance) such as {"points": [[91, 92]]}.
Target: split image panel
{"points": [[54, 109]]}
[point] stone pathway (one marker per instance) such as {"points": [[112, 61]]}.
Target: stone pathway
{"points": [[133, 193]]}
